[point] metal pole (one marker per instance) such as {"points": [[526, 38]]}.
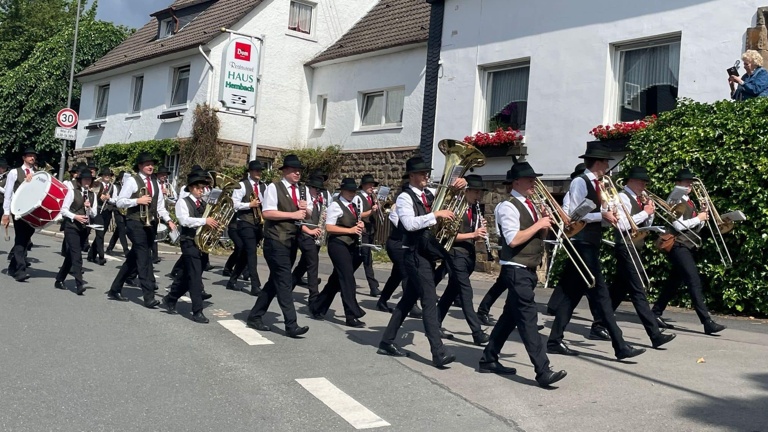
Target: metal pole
{"points": [[252, 155], [63, 161]]}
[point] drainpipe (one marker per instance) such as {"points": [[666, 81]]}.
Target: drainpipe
{"points": [[431, 76]]}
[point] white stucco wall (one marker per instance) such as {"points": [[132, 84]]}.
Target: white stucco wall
{"points": [[569, 46], [344, 83]]}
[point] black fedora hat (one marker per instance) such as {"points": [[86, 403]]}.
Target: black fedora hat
{"points": [[75, 168], [196, 168], [3, 163], [578, 170], [29, 150], [81, 166], [520, 170], [85, 174], [684, 174], [196, 177], [638, 173], [291, 161], [596, 151], [316, 182], [92, 165], [348, 184], [255, 165], [144, 157], [106, 172], [163, 170], [368, 178], [416, 164], [475, 181], [320, 173]]}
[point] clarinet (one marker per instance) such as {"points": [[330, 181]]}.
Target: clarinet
{"points": [[358, 208], [486, 239], [302, 197]]}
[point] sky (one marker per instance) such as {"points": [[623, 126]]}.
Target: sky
{"points": [[131, 13]]}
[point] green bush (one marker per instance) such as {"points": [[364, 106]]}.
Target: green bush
{"points": [[203, 148], [123, 156], [329, 159]]}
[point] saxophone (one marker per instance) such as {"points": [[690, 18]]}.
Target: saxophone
{"points": [[206, 238]]}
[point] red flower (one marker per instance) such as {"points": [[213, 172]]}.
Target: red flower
{"points": [[496, 139], [621, 130]]}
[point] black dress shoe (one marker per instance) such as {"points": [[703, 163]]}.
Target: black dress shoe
{"points": [[209, 267], [663, 324], [198, 317], [234, 288], [245, 278], [416, 312], [354, 322], [101, 262], [108, 251], [599, 333], [226, 272], [151, 303], [629, 352], [562, 349], [296, 332], [59, 285], [550, 377], [170, 306], [206, 295], [711, 327], [257, 324], [444, 334], [661, 339], [21, 277], [80, 290], [89, 259], [131, 282], [496, 367], [375, 292], [480, 338], [156, 288], [391, 350], [254, 291], [540, 327], [485, 319], [441, 360], [116, 296], [156, 261], [383, 306]]}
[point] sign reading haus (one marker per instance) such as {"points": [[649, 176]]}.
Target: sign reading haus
{"points": [[238, 74]]}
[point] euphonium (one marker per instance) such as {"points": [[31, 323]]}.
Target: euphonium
{"points": [[460, 157], [144, 209], [222, 211]]}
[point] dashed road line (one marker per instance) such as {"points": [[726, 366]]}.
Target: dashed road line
{"points": [[342, 404], [248, 335]]}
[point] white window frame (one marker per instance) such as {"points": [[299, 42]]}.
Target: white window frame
{"points": [[172, 162], [96, 113], [176, 71], [134, 88], [382, 124], [487, 72], [313, 25], [321, 116], [266, 163], [166, 25], [615, 70]]}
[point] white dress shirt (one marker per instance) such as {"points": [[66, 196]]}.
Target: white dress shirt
{"points": [[627, 196], [567, 203], [239, 193], [508, 218], [69, 198], [407, 215], [688, 224], [270, 196], [182, 214], [334, 211], [125, 201], [393, 217], [9, 184], [578, 193]]}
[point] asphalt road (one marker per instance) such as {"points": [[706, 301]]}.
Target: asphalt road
{"points": [[73, 363]]}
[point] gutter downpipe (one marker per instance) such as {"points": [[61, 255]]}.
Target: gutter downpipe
{"points": [[431, 78]]}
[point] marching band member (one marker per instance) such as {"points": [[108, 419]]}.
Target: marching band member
{"points": [[414, 209], [189, 212], [370, 206], [628, 263], [74, 173], [119, 232], [103, 216], [587, 244], [250, 230], [462, 255], [345, 228], [309, 237], [3, 179], [86, 247], [683, 261], [76, 211], [17, 268], [521, 235], [151, 205], [237, 243], [161, 174], [301, 266], [283, 207]]}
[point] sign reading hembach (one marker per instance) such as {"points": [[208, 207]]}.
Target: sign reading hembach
{"points": [[239, 74]]}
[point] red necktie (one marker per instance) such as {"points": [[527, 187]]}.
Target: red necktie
{"points": [[530, 207], [424, 201], [469, 214], [690, 204], [149, 187], [640, 203], [597, 189], [370, 201], [293, 195], [352, 209], [197, 203], [26, 170]]}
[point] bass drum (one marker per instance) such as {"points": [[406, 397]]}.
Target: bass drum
{"points": [[38, 202]]}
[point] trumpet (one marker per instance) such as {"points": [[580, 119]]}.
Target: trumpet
{"points": [[717, 226], [257, 213], [144, 209]]}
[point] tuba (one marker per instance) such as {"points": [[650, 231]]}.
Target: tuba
{"points": [[206, 238], [460, 157]]}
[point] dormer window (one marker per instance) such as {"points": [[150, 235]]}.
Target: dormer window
{"points": [[167, 28]]}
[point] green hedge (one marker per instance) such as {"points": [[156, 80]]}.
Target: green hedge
{"points": [[123, 156]]}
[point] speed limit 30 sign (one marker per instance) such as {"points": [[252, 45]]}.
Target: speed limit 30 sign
{"points": [[67, 118]]}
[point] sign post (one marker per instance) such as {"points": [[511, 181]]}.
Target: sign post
{"points": [[63, 161]]}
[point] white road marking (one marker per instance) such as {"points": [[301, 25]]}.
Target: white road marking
{"points": [[342, 404], [185, 299], [249, 335], [111, 258]]}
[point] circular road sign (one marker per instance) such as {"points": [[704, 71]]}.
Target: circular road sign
{"points": [[67, 118]]}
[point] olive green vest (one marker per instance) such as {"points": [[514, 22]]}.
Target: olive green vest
{"points": [[283, 231], [528, 254], [133, 213]]}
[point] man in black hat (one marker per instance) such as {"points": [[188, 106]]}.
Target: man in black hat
{"points": [[162, 174], [414, 209], [190, 211], [587, 244], [144, 203], [250, 226], [309, 239], [629, 265], [237, 242], [17, 268], [285, 203], [345, 227], [78, 207], [522, 231], [120, 230], [3, 179], [463, 256], [370, 208], [683, 260], [105, 206]]}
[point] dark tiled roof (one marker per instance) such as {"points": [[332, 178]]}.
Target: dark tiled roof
{"points": [[389, 24], [143, 44]]}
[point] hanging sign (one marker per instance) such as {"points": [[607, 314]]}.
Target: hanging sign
{"points": [[239, 72]]}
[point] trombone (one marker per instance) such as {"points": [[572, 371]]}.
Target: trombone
{"points": [[670, 213], [550, 208], [717, 226]]}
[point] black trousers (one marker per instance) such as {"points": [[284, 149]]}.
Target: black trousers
{"points": [[420, 285], [396, 254], [459, 285], [97, 246], [628, 281], [251, 236], [191, 276], [22, 235], [309, 263], [238, 242], [519, 311], [575, 288], [490, 297], [346, 260], [683, 270], [120, 232], [73, 254], [368, 262], [280, 259], [138, 259]]}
